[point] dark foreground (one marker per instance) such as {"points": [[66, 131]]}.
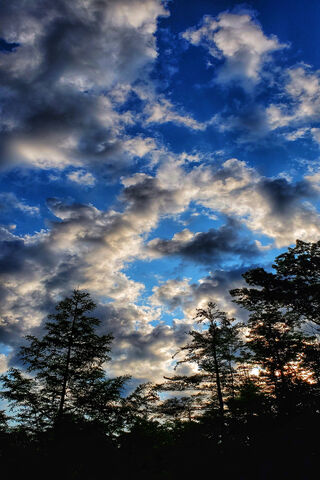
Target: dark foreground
{"points": [[263, 448]]}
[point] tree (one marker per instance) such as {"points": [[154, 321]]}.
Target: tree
{"points": [[66, 368], [141, 404], [213, 350], [250, 401], [3, 421], [277, 337], [276, 347], [180, 408], [295, 285]]}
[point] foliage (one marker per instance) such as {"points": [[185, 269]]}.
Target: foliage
{"points": [[66, 368], [278, 341], [295, 285], [214, 351]]}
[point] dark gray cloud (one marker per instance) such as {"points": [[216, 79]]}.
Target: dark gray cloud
{"points": [[283, 197], [212, 246], [147, 195], [249, 120]]}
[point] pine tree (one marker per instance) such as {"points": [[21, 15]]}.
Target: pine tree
{"points": [[66, 369], [213, 350]]}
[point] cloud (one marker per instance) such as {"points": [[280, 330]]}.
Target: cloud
{"points": [[85, 248], [242, 192], [139, 349], [172, 293], [162, 111], [211, 247], [82, 178], [284, 197], [297, 115], [238, 40], [56, 86], [302, 91], [188, 295], [316, 134], [10, 201], [238, 191], [296, 134], [90, 248], [3, 363]]}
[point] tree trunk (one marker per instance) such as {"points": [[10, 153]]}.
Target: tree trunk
{"points": [[66, 373], [218, 382]]}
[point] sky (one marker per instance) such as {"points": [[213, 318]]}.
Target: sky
{"points": [[151, 152]]}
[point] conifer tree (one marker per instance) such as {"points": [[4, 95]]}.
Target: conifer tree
{"points": [[294, 285], [213, 350], [66, 369]]}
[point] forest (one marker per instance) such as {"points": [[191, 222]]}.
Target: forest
{"points": [[251, 410]]}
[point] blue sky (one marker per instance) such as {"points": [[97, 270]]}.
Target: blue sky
{"points": [[151, 152]]}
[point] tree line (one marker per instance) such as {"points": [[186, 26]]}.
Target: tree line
{"points": [[251, 408]]}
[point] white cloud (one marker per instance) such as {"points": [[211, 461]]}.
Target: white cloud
{"points": [[172, 293], [61, 88], [162, 111], [3, 363], [274, 207], [190, 295], [296, 134], [82, 177], [316, 134], [239, 40], [139, 146], [302, 88], [10, 201]]}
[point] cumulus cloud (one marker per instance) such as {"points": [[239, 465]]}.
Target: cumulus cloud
{"points": [[276, 207], [238, 40], [188, 295], [90, 248], [84, 247], [211, 247], [242, 192], [56, 85], [297, 115], [302, 92], [82, 178], [139, 349]]}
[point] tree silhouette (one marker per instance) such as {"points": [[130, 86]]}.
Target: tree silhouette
{"points": [[141, 404], [295, 285], [66, 367], [213, 350], [245, 424], [277, 338]]}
